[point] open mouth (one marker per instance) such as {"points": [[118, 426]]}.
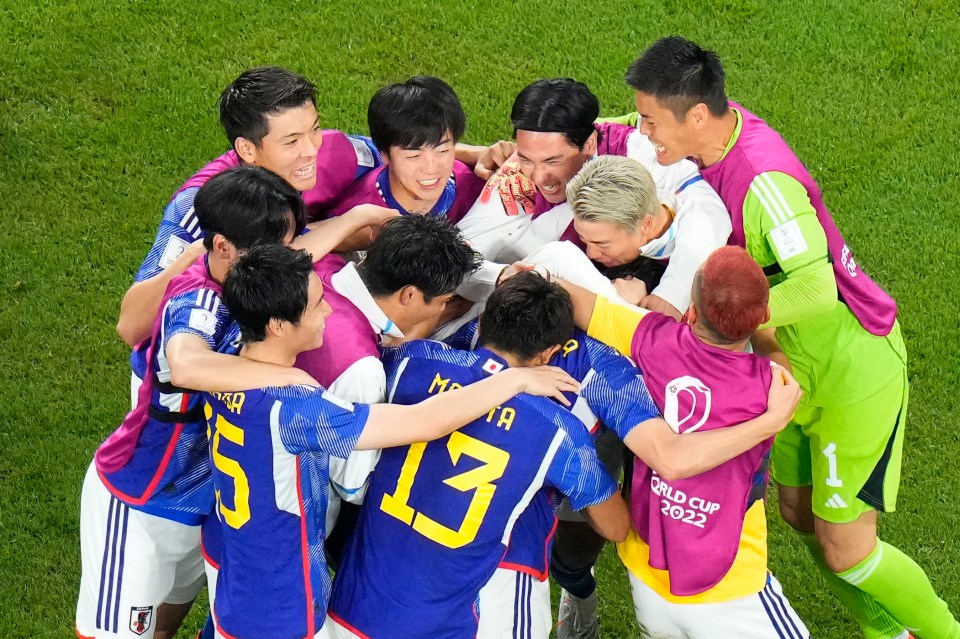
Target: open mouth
{"points": [[429, 184], [550, 190], [306, 171]]}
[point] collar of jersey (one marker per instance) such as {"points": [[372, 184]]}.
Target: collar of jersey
{"points": [[347, 282], [443, 205]]}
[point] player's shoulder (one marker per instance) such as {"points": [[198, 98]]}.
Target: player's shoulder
{"points": [[426, 349]]}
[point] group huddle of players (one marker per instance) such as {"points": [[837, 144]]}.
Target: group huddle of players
{"points": [[385, 386]]}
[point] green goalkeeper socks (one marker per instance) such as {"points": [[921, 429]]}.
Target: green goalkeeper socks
{"points": [[900, 586], [872, 619]]}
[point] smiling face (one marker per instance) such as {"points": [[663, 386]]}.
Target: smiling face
{"points": [[418, 176], [609, 243], [290, 146], [550, 160], [674, 140], [308, 331]]}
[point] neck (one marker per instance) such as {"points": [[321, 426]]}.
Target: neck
{"points": [[512, 360], [661, 221], [707, 337], [409, 202], [393, 310], [716, 138], [269, 351]]}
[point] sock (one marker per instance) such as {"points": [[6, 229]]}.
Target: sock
{"points": [[898, 584], [869, 615]]}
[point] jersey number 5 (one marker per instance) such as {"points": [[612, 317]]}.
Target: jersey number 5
{"points": [[479, 480], [240, 514]]}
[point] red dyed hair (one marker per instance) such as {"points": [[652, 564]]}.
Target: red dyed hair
{"points": [[731, 294]]}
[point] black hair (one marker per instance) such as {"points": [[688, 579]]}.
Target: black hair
{"points": [[418, 250], [681, 75], [646, 269], [248, 205], [257, 93], [415, 113], [268, 282], [526, 315], [557, 105]]}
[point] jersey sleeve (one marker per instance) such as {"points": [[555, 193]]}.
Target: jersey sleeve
{"points": [[312, 419], [178, 229], [614, 324], [790, 236], [616, 391], [368, 155], [575, 470], [199, 312]]}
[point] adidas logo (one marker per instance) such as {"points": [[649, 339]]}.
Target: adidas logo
{"points": [[836, 502]]}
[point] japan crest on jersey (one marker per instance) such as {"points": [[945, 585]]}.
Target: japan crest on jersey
{"points": [[140, 619]]}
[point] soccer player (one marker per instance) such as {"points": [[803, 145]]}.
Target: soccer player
{"points": [[437, 516], [270, 448], [416, 126], [149, 486], [554, 125], [697, 553], [270, 117], [838, 464], [399, 290]]}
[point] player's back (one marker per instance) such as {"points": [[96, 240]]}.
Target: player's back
{"points": [[438, 515], [271, 497]]}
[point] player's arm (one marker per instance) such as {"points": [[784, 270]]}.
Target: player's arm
{"points": [[141, 302], [765, 344], [629, 119], [441, 414], [793, 238], [195, 366], [351, 231], [611, 519], [677, 456]]}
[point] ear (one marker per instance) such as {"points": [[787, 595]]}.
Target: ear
{"points": [[699, 114], [692, 315], [408, 294], [246, 150], [590, 146], [276, 327], [223, 248], [766, 315], [546, 355]]}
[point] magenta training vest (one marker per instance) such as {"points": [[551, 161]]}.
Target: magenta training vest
{"points": [[693, 526], [760, 149], [348, 336]]}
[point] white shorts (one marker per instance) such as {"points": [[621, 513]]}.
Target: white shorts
{"points": [[765, 615], [132, 562], [514, 605]]}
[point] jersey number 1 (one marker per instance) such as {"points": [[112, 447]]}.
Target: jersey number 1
{"points": [[479, 480]]}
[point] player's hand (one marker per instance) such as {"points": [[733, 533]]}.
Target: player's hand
{"points": [[631, 289], [657, 304], [521, 267], [783, 397], [493, 158], [545, 381], [516, 190]]}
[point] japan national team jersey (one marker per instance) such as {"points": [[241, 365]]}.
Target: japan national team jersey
{"points": [[612, 394], [156, 460], [438, 515], [270, 450]]}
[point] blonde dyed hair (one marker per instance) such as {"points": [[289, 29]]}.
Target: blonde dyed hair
{"points": [[615, 189]]}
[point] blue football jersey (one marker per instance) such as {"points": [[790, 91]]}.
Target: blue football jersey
{"points": [[270, 450], [156, 461], [612, 394], [437, 515]]}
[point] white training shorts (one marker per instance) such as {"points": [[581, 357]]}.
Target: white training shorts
{"points": [[765, 615], [132, 563], [514, 605]]}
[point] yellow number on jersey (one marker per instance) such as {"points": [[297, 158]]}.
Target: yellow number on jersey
{"points": [[479, 480], [241, 487]]}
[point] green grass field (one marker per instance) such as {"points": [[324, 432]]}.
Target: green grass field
{"points": [[105, 108]]}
